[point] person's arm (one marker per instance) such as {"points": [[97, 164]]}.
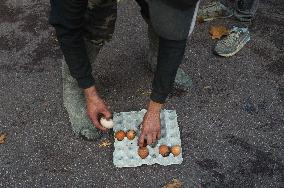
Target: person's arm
{"points": [[169, 58], [68, 18]]}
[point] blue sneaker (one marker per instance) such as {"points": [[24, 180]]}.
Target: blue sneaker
{"points": [[233, 43], [213, 11]]}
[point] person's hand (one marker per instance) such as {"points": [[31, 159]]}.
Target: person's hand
{"points": [[151, 129], [96, 107], [151, 125]]}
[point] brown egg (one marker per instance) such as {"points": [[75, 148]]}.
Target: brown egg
{"points": [[164, 150], [176, 150], [119, 135], [143, 152], [131, 135]]}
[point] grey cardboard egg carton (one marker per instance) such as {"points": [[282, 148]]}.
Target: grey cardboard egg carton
{"points": [[126, 151]]}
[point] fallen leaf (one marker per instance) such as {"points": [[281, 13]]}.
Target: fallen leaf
{"points": [[105, 143], [218, 31], [146, 93], [2, 138], [207, 87], [175, 183], [143, 92]]}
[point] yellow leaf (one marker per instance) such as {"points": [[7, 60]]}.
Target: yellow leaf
{"points": [[2, 138], [218, 31], [143, 92], [207, 87], [105, 143], [175, 183]]}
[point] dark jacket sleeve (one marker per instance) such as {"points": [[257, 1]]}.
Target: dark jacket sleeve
{"points": [[68, 18], [170, 56]]}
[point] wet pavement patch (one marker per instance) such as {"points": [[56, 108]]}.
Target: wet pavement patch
{"points": [[277, 67], [12, 43], [249, 106], [281, 94], [208, 164], [8, 14]]}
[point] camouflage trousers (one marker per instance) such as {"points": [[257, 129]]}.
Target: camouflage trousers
{"points": [[99, 27], [100, 20]]}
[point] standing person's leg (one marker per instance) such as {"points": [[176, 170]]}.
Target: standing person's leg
{"points": [[98, 27], [245, 10]]}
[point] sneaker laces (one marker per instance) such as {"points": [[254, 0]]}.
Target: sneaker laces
{"points": [[233, 37]]}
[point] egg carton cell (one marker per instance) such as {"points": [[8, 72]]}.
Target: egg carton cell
{"points": [[126, 151]]}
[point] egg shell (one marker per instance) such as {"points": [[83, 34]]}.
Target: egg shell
{"points": [[119, 135], [131, 134], [176, 150], [164, 150], [107, 123], [143, 152]]}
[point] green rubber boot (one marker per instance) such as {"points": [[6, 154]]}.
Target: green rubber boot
{"points": [[182, 80]]}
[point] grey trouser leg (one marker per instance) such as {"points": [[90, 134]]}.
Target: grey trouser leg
{"points": [[244, 10]]}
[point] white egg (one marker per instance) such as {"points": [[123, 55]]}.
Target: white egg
{"points": [[106, 123]]}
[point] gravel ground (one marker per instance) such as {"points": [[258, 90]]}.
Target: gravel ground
{"points": [[231, 122]]}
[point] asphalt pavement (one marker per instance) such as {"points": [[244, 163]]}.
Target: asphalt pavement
{"points": [[232, 121]]}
